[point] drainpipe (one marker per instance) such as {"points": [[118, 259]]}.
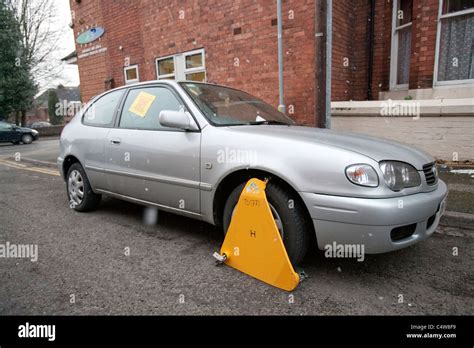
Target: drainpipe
{"points": [[327, 123], [370, 49], [281, 106]]}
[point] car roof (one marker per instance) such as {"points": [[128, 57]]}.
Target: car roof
{"points": [[152, 82]]}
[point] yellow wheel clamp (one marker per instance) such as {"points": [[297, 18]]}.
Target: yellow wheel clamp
{"points": [[253, 244]]}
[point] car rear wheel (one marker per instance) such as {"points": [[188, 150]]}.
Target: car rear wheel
{"points": [[289, 215], [27, 138], [79, 191]]}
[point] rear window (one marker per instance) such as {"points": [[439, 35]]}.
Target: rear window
{"points": [[101, 112]]}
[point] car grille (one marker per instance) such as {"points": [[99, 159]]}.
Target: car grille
{"points": [[402, 232], [430, 176]]}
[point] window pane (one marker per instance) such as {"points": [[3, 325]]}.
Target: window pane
{"points": [[456, 53], [404, 13], [132, 74], [143, 106], [102, 111], [194, 61], [450, 6], [199, 76], [166, 66], [404, 52]]}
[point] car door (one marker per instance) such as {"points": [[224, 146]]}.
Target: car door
{"points": [[149, 162], [7, 132], [90, 142]]}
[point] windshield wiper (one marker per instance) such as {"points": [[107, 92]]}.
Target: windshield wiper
{"points": [[269, 122]]}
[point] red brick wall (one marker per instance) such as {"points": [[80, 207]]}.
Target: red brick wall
{"points": [[349, 54], [149, 29], [423, 48], [382, 47], [93, 70]]}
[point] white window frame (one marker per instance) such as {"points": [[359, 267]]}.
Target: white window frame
{"points": [[438, 44], [394, 50], [130, 67], [180, 70], [165, 76]]}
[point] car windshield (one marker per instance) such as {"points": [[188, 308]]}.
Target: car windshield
{"points": [[224, 106]]}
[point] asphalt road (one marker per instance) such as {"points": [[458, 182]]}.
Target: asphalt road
{"points": [[170, 269], [45, 149]]}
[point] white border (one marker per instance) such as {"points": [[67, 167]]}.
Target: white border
{"points": [[130, 67], [180, 70], [394, 50], [437, 83], [165, 76]]}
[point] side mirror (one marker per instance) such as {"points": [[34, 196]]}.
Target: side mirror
{"points": [[177, 119]]}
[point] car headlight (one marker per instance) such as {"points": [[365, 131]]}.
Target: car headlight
{"points": [[399, 175], [35, 132], [363, 175]]}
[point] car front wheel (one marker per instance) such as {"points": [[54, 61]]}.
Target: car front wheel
{"points": [[27, 139], [79, 191], [289, 214]]}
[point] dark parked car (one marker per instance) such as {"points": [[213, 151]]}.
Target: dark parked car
{"points": [[10, 133], [41, 124]]}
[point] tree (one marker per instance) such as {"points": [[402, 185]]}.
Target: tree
{"points": [[40, 40], [17, 88], [53, 102]]}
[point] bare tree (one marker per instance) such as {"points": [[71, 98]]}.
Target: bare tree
{"points": [[40, 39]]}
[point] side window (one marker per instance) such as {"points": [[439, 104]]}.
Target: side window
{"points": [[101, 112], [5, 126], [143, 106]]}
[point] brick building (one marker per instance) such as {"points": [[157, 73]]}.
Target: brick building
{"points": [[421, 49]]}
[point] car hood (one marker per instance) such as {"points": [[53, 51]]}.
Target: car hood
{"points": [[25, 129], [376, 148]]}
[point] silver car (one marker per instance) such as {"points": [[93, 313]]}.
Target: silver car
{"points": [[189, 148]]}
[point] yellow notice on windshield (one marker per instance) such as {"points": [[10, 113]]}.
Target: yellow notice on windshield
{"points": [[142, 104]]}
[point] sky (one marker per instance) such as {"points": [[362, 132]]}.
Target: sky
{"points": [[70, 74]]}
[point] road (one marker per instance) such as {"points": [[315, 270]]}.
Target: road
{"points": [[83, 266], [46, 149]]}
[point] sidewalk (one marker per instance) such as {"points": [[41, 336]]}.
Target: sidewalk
{"points": [[460, 207]]}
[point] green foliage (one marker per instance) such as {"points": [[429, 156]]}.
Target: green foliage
{"points": [[17, 88], [53, 102]]}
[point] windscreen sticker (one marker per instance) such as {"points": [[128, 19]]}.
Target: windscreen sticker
{"points": [[142, 104]]}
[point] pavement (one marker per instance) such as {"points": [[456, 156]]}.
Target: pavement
{"points": [[110, 262]]}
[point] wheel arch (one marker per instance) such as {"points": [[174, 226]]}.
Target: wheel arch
{"points": [[69, 160], [235, 178]]}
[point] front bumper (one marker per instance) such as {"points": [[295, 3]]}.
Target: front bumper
{"points": [[375, 223]]}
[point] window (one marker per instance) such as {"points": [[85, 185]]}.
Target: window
{"points": [[184, 66], [101, 112], [143, 106], [401, 44], [224, 106], [131, 74], [5, 126], [455, 45], [165, 68]]}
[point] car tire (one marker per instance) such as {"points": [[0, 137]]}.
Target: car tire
{"points": [[27, 139], [77, 185], [293, 218]]}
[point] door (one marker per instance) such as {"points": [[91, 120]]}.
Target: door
{"points": [[7, 133], [149, 162], [97, 120]]}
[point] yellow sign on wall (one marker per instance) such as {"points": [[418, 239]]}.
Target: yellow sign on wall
{"points": [[142, 104]]}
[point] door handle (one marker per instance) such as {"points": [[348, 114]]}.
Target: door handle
{"points": [[115, 141]]}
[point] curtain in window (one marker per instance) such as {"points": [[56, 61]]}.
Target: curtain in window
{"points": [[404, 51], [456, 55]]}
